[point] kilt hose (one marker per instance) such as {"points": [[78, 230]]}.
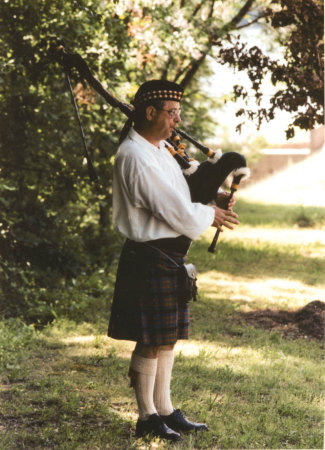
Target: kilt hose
{"points": [[145, 305]]}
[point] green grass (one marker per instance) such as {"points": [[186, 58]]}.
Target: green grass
{"points": [[66, 387], [260, 259], [259, 214]]}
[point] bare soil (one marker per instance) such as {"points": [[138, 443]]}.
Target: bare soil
{"points": [[307, 322]]}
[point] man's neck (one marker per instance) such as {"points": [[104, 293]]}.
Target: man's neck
{"points": [[146, 134]]}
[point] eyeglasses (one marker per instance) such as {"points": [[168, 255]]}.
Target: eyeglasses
{"points": [[172, 112]]}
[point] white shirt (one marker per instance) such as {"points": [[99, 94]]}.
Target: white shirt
{"points": [[151, 198]]}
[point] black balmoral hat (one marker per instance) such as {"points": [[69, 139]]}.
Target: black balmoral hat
{"points": [[158, 90]]}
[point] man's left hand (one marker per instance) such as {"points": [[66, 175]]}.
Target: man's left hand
{"points": [[222, 199]]}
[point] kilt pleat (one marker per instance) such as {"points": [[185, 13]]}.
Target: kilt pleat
{"points": [[145, 305]]}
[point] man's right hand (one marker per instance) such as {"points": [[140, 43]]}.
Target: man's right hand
{"points": [[224, 218]]}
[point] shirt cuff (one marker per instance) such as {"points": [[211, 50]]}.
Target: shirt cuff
{"points": [[205, 216]]}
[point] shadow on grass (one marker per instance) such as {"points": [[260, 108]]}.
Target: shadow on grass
{"points": [[258, 261], [71, 402]]}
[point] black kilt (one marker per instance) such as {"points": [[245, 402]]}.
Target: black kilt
{"points": [[145, 305]]}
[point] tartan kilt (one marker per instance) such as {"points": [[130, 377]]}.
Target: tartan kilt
{"points": [[145, 305]]}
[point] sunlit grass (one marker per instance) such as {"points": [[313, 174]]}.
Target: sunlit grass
{"points": [[264, 293], [259, 260], [310, 242]]}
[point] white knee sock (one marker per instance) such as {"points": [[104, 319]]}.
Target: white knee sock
{"points": [[162, 383], [146, 372]]}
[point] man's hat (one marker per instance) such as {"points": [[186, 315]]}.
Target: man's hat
{"points": [[158, 90]]}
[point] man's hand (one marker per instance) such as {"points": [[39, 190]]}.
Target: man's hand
{"points": [[224, 218], [222, 199]]}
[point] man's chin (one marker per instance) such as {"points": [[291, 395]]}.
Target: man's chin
{"points": [[168, 134]]}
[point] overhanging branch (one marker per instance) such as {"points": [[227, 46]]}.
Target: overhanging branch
{"points": [[251, 22], [213, 38], [238, 17]]}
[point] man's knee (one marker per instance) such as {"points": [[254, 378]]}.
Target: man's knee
{"points": [[145, 351], [150, 351]]}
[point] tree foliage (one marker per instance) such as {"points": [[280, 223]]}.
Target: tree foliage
{"points": [[55, 226], [299, 76]]}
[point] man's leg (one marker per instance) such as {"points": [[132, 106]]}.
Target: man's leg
{"points": [[143, 373], [173, 418], [143, 368], [165, 363]]}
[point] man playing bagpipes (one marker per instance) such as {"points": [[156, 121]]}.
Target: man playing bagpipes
{"points": [[152, 208]]}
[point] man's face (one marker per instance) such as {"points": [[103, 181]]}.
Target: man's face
{"points": [[164, 121]]}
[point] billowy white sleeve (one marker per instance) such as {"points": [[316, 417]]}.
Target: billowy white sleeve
{"points": [[151, 190]]}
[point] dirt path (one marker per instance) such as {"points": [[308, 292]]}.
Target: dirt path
{"points": [[307, 322]]}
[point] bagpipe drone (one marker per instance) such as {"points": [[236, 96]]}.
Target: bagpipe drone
{"points": [[204, 179]]}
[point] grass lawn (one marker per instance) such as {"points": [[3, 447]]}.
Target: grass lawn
{"points": [[66, 385]]}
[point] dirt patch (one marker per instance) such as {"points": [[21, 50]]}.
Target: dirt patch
{"points": [[307, 322]]}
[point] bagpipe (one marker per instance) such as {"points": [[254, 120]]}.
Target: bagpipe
{"points": [[204, 179]]}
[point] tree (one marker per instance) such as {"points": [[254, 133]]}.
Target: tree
{"points": [[174, 39], [213, 28], [299, 77], [54, 224]]}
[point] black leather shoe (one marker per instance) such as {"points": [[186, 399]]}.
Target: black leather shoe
{"points": [[156, 427], [177, 421]]}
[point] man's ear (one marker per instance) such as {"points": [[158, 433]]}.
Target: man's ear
{"points": [[150, 112]]}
